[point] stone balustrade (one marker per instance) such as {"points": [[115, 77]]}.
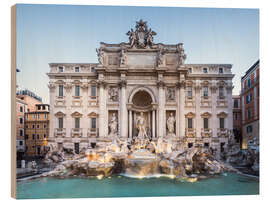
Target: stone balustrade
{"points": [[206, 132], [59, 132], [222, 132], [92, 132], [76, 132], [190, 132]]}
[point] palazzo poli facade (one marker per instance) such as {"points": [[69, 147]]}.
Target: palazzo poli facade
{"points": [[140, 89]]}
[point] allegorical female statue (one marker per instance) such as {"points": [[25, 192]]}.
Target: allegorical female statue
{"points": [[113, 125], [170, 124], [140, 124]]}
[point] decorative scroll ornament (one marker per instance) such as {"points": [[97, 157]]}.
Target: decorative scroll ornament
{"points": [[142, 37]]}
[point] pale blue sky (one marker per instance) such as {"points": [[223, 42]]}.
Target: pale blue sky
{"points": [[64, 33]]}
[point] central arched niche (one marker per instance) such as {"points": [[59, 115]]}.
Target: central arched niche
{"points": [[142, 99]]}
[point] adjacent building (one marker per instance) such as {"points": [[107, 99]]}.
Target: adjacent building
{"points": [[37, 130], [237, 120], [21, 107], [189, 104], [250, 99], [25, 102]]}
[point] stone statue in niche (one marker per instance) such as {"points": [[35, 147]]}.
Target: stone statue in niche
{"points": [[170, 125], [101, 57], [170, 94], [113, 125], [113, 94], [141, 126]]}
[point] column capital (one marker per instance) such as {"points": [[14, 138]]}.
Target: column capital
{"points": [[181, 84], [122, 83], [101, 83], [161, 84]]}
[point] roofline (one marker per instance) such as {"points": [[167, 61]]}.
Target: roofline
{"points": [[251, 68], [50, 64], [211, 64]]}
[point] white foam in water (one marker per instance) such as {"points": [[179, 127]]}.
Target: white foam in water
{"points": [[148, 176]]}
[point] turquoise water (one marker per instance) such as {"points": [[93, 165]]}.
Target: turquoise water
{"points": [[119, 186]]}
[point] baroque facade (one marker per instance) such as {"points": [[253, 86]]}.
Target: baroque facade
{"points": [[140, 89]]}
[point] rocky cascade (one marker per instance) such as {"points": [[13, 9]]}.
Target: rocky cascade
{"points": [[139, 162]]}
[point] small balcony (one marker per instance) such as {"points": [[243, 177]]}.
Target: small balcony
{"points": [[190, 132], [222, 132], [59, 132], [206, 132], [92, 132], [76, 132]]}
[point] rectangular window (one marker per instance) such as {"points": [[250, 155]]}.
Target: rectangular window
{"points": [[37, 126], [21, 109], [189, 91], [60, 91], [21, 143], [221, 92], [77, 90], [206, 144], [221, 123], [204, 70], [248, 82], [33, 136], [61, 69], [249, 113], [21, 120], [44, 126], [77, 122], [235, 103], [37, 116], [44, 135], [45, 116], [205, 91], [60, 122], [249, 129], [93, 91], [205, 123], [77, 69], [33, 126], [235, 116], [93, 70], [21, 132], [39, 107], [190, 70], [190, 145], [93, 123], [37, 136], [189, 122], [220, 70]]}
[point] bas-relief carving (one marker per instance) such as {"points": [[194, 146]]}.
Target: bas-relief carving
{"points": [[123, 57], [113, 94], [170, 94]]}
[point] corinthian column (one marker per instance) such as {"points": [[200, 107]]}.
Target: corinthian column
{"points": [[161, 109], [130, 124], [102, 124], [123, 111], [181, 108], [153, 123]]}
